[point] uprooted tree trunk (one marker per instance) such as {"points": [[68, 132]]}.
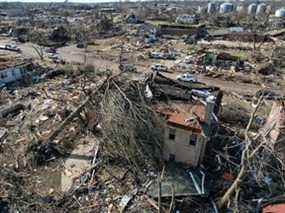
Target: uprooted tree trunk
{"points": [[244, 158]]}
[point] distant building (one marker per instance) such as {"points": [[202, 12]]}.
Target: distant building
{"points": [[109, 10]]}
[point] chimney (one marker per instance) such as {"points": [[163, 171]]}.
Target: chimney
{"points": [[210, 116]]}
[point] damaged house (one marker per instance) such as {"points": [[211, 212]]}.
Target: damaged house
{"points": [[230, 35], [190, 113], [179, 29], [221, 59]]}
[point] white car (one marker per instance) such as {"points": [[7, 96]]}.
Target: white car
{"points": [[187, 77], [159, 68], [13, 47], [53, 56], [201, 93]]}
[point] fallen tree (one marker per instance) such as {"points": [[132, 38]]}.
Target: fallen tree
{"points": [[259, 163], [130, 128]]}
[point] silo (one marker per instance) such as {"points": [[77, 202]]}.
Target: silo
{"points": [[240, 9], [280, 13], [226, 8], [202, 9], [251, 10], [268, 9], [261, 9], [211, 8]]}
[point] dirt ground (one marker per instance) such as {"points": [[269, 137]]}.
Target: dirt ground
{"points": [[105, 54], [102, 57]]}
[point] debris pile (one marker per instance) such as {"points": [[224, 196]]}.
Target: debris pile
{"points": [[141, 106]]}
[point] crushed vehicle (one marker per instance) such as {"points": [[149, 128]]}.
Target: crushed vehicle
{"points": [[162, 55], [159, 68], [187, 77], [11, 47]]}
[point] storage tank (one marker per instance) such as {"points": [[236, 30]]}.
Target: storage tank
{"points": [[202, 9], [226, 8], [261, 9], [240, 9], [211, 8], [268, 9], [280, 13], [251, 10]]}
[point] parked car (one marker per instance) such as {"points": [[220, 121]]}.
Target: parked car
{"points": [[187, 77], [53, 56], [12, 47], [159, 68], [163, 55], [201, 93]]}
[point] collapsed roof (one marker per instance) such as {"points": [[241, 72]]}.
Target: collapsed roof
{"points": [[190, 106], [166, 89]]}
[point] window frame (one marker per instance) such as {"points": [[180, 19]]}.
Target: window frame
{"points": [[3, 75], [171, 133], [192, 142]]}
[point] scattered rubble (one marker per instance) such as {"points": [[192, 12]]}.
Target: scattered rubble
{"points": [[142, 107]]}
